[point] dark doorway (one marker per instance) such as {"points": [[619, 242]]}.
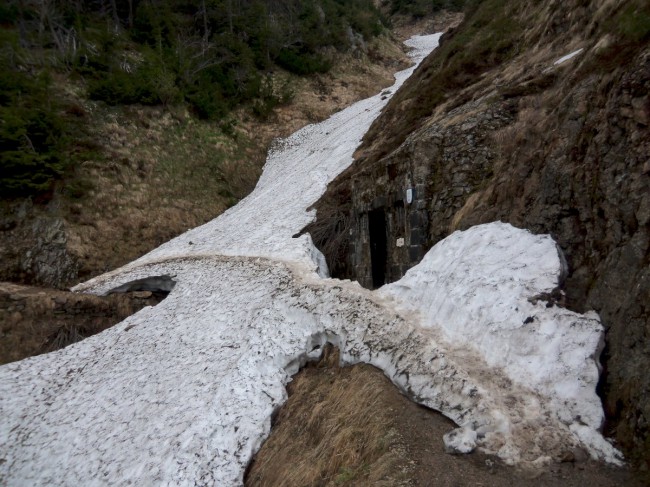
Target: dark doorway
{"points": [[378, 249]]}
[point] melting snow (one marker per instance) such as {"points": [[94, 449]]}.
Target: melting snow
{"points": [[182, 394], [567, 57]]}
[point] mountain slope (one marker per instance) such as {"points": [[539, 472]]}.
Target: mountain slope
{"points": [[496, 125]]}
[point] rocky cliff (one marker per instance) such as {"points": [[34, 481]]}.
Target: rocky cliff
{"points": [[534, 114]]}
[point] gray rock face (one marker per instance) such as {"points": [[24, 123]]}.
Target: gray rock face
{"points": [[48, 261], [35, 246]]}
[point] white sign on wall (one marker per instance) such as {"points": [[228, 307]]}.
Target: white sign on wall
{"points": [[409, 196]]}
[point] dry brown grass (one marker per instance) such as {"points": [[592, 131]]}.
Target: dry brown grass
{"points": [[325, 436], [331, 232], [531, 122], [351, 426], [155, 174]]}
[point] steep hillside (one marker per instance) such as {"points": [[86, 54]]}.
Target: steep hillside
{"points": [[502, 124], [98, 165]]}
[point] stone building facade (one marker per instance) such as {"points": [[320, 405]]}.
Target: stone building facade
{"points": [[399, 207]]}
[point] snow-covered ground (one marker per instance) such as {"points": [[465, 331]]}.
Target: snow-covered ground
{"points": [[567, 57], [182, 394]]}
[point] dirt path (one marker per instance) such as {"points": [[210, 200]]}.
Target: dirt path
{"points": [[351, 426]]}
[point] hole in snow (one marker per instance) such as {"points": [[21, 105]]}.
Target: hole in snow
{"points": [[53, 319], [82, 316], [347, 425], [159, 286]]}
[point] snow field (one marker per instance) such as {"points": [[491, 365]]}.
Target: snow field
{"points": [[182, 394]]}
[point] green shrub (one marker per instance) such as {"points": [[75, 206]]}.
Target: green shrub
{"points": [[299, 61], [633, 23], [120, 88], [77, 188], [630, 27], [8, 14], [150, 81], [207, 102], [210, 54], [153, 24], [33, 134], [228, 127]]}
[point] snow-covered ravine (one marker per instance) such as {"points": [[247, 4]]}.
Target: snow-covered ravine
{"points": [[183, 393]]}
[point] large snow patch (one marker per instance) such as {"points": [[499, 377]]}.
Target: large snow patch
{"points": [[182, 394], [490, 288]]}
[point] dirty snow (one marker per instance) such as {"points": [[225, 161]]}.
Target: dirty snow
{"points": [[182, 394], [488, 287], [567, 57]]}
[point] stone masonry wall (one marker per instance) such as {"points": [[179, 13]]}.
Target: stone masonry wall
{"points": [[459, 160]]}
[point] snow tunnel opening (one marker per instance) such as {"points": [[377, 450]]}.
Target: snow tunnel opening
{"points": [[334, 398], [378, 246], [158, 286], [79, 316], [107, 311]]}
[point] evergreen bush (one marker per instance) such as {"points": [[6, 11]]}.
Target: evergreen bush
{"points": [[32, 134], [213, 55], [298, 61]]}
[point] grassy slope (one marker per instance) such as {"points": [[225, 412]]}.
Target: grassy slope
{"points": [[351, 426], [493, 33]]}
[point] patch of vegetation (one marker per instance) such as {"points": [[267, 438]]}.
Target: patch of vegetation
{"points": [[216, 164], [33, 132], [77, 188], [271, 95], [351, 474], [211, 55], [630, 27], [633, 22], [531, 87], [334, 440], [299, 61], [489, 36]]}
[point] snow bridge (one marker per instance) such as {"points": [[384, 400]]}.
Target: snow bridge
{"points": [[183, 393]]}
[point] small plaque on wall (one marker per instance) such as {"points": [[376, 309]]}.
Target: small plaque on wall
{"points": [[400, 242], [409, 196]]}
